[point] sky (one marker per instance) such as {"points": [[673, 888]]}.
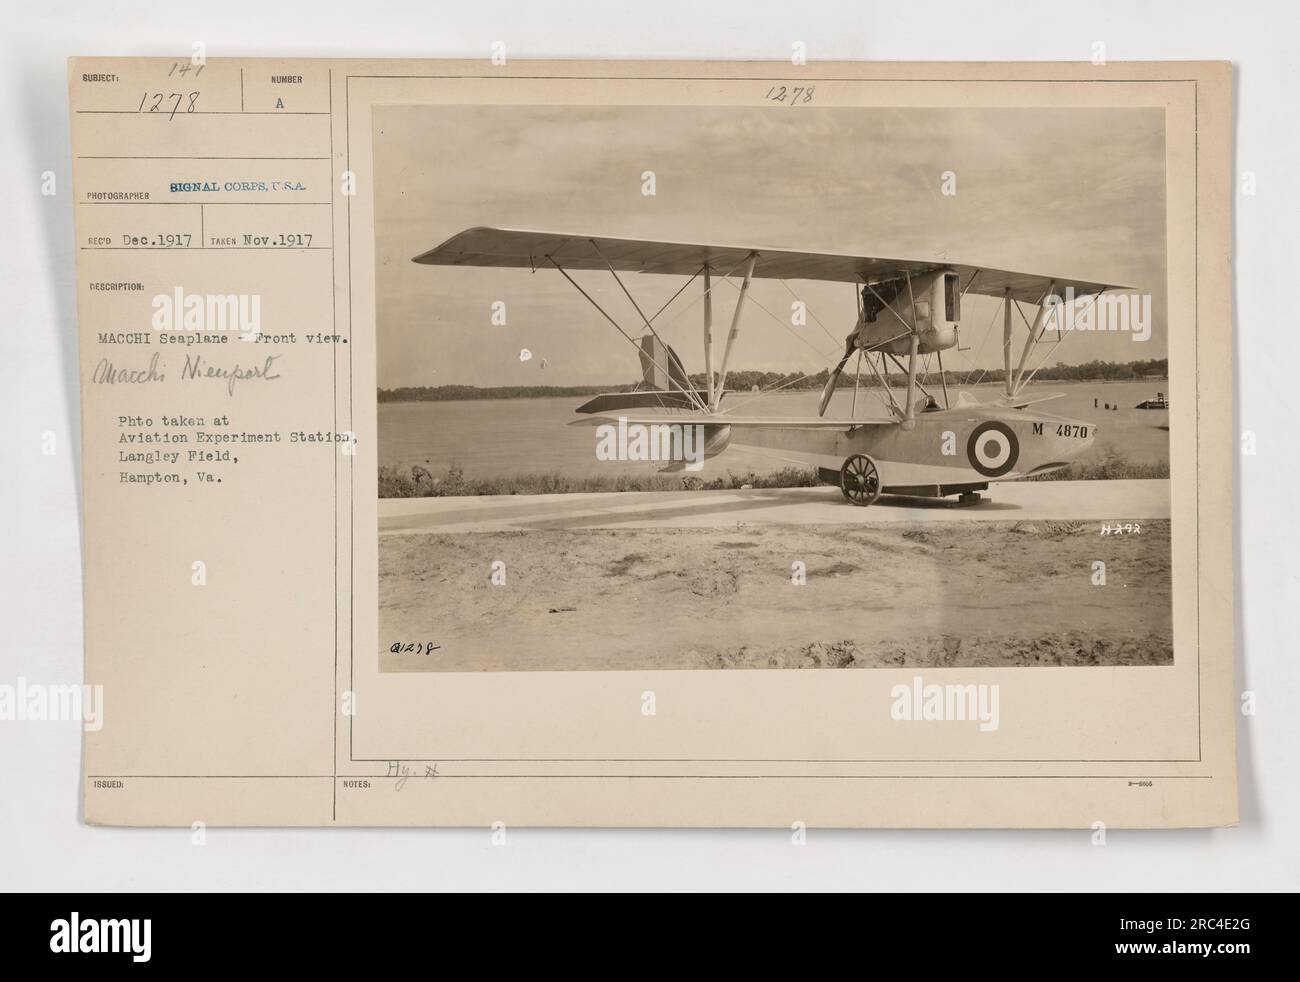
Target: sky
{"points": [[1072, 192]]}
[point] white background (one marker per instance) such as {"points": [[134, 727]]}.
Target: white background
{"points": [[43, 844]]}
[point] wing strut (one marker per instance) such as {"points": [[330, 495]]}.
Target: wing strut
{"points": [[850, 342], [1045, 310], [903, 368], [857, 377], [1060, 337], [1006, 342], [708, 337], [694, 399], [735, 321], [909, 411], [637, 307]]}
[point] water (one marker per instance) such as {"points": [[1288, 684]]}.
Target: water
{"points": [[492, 438]]}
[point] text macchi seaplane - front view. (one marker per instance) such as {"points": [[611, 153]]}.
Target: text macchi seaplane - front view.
{"points": [[907, 310]]}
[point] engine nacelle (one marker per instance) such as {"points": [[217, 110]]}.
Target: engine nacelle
{"points": [[890, 309]]}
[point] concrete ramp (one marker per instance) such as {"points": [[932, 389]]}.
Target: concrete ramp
{"points": [[1099, 501]]}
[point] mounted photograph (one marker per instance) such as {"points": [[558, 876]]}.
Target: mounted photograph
{"points": [[782, 387]]}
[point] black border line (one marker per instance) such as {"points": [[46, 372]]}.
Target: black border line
{"points": [[334, 380], [858, 79], [655, 777]]}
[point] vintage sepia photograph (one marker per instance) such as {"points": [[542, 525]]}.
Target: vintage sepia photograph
{"points": [[519, 447], [779, 445], [728, 388]]}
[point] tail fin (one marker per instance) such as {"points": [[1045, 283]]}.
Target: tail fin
{"points": [[661, 369]]}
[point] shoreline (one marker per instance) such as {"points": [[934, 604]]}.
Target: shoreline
{"points": [[568, 391], [419, 482]]}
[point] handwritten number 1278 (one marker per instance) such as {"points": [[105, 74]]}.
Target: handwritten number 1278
{"points": [[168, 102], [791, 96]]}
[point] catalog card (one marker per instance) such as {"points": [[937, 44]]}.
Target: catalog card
{"points": [[656, 444]]}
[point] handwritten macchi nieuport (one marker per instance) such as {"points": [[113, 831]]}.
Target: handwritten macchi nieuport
{"points": [[906, 309]]}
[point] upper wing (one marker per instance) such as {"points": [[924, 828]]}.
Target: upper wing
{"points": [[522, 249]]}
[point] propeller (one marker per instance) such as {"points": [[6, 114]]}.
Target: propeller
{"points": [[835, 375]]}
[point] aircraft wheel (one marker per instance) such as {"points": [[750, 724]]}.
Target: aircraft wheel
{"points": [[860, 480]]}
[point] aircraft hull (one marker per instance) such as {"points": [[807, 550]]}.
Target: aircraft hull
{"points": [[963, 445]]}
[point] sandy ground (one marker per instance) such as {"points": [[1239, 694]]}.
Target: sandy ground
{"points": [[895, 594]]}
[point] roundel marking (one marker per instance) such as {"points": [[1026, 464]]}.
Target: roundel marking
{"points": [[992, 448]]}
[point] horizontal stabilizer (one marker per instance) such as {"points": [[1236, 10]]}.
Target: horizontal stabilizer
{"points": [[613, 401], [967, 401], [1020, 402], [771, 422]]}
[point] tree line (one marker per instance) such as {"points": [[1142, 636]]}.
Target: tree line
{"points": [[745, 381]]}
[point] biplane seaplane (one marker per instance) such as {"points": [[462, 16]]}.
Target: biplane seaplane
{"points": [[907, 310]]}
